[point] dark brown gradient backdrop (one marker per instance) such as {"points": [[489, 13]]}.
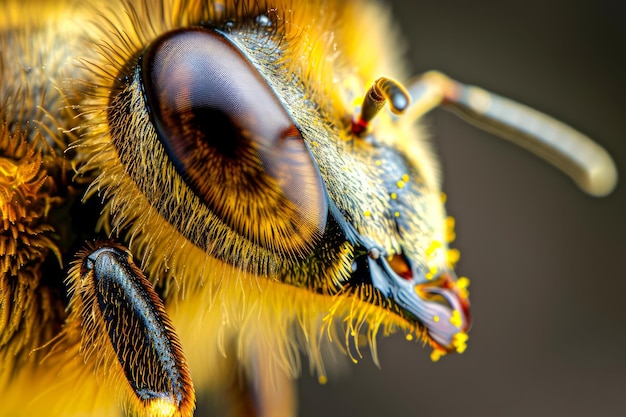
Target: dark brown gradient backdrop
{"points": [[546, 261]]}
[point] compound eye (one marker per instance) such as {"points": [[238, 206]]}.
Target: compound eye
{"points": [[232, 141]]}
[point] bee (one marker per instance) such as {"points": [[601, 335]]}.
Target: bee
{"points": [[195, 193]]}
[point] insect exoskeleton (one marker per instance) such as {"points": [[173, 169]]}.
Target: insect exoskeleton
{"points": [[225, 190]]}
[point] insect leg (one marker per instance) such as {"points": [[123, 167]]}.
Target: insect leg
{"points": [[273, 390], [259, 388], [586, 162], [125, 325]]}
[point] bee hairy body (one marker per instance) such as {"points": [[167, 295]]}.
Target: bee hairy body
{"points": [[229, 289], [194, 193]]}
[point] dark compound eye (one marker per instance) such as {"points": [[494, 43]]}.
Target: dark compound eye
{"points": [[231, 139]]}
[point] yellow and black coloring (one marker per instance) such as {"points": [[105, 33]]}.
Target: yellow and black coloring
{"points": [[194, 193]]}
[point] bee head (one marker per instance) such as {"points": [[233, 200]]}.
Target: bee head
{"points": [[219, 137]]}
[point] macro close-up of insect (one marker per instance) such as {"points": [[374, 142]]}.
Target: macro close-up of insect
{"points": [[216, 207]]}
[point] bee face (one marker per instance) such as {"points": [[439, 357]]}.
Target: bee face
{"points": [[524, 238], [243, 196], [219, 140]]}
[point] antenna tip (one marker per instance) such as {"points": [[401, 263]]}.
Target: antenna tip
{"points": [[601, 179]]}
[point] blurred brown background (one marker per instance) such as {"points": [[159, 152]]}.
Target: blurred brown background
{"points": [[545, 260]]}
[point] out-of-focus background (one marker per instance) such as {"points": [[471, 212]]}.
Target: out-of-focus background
{"points": [[546, 261]]}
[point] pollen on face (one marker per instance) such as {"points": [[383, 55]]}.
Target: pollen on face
{"points": [[456, 320], [450, 233], [433, 248], [432, 272], [436, 354], [459, 341], [462, 284], [453, 256]]}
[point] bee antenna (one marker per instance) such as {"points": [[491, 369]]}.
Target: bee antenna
{"points": [[590, 166], [383, 90]]}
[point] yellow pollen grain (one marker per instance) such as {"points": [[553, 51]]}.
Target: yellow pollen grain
{"points": [[322, 380], [367, 213], [436, 319], [394, 196], [431, 272], [444, 198], [396, 214], [433, 248], [461, 337], [409, 337], [405, 178], [462, 283], [400, 184], [453, 256], [450, 234], [459, 341], [456, 320], [378, 162], [436, 354]]}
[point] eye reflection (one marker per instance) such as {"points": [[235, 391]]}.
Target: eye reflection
{"points": [[231, 139]]}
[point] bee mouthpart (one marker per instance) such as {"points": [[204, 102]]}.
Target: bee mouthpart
{"points": [[440, 303]]}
